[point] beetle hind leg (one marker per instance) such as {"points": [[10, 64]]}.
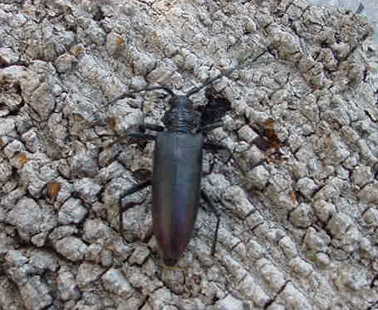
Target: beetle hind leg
{"points": [[213, 209], [122, 208]]}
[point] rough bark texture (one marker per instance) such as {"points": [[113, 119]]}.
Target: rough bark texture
{"points": [[297, 232]]}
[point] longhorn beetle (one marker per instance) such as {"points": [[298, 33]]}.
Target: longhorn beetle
{"points": [[177, 168]]}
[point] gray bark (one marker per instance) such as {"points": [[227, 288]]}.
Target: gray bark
{"points": [[297, 232]]}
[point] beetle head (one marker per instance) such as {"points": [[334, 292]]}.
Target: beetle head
{"points": [[181, 102], [181, 115]]}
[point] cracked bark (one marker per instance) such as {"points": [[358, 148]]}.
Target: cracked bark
{"points": [[308, 219]]}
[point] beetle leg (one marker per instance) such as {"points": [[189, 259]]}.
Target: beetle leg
{"points": [[213, 209], [219, 147], [210, 127], [122, 209], [120, 214], [152, 127], [140, 135]]}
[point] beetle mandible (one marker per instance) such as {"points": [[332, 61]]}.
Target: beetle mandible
{"points": [[177, 169]]}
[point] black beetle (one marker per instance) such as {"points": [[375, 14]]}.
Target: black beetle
{"points": [[177, 168]]}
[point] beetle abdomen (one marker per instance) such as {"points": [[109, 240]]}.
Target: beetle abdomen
{"points": [[176, 191]]}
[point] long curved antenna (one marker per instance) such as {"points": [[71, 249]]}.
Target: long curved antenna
{"points": [[226, 72], [165, 88], [130, 95]]}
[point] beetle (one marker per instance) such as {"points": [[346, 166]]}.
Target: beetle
{"points": [[177, 171]]}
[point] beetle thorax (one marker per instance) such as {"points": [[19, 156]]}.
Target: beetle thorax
{"points": [[181, 116]]}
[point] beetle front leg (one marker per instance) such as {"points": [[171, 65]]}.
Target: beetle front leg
{"points": [[213, 209], [205, 129], [134, 189], [152, 127]]}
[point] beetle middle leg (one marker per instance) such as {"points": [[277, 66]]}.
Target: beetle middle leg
{"points": [[140, 135], [210, 146], [213, 209], [122, 208]]}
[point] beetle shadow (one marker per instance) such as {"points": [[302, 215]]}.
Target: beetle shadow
{"points": [[216, 108]]}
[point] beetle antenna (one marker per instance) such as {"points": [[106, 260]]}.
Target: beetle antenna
{"points": [[165, 88], [131, 95], [226, 72]]}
